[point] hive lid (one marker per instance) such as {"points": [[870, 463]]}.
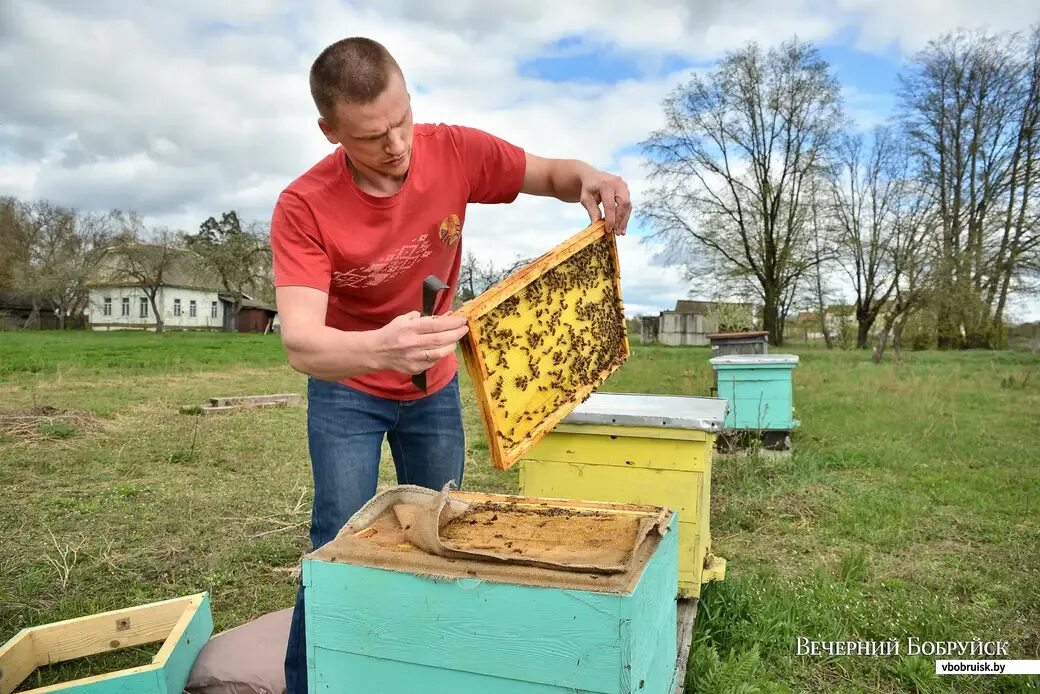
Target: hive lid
{"points": [[581, 545], [755, 359], [662, 411], [543, 339]]}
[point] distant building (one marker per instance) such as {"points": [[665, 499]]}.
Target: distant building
{"points": [[15, 309], [690, 322], [806, 324], [189, 298]]}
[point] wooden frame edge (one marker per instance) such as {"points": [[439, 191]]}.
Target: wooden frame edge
{"points": [[103, 628], [501, 291], [477, 371], [501, 458]]}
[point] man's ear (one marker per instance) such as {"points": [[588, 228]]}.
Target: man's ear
{"points": [[326, 129]]}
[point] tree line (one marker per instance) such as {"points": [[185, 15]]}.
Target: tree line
{"points": [[52, 254], [763, 184]]}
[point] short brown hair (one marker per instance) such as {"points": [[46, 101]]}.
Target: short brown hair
{"points": [[355, 70]]}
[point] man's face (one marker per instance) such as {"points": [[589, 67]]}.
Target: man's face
{"points": [[378, 135]]}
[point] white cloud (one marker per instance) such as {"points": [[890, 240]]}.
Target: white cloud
{"points": [[910, 25], [181, 110]]}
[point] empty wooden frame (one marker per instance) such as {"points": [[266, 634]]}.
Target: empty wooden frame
{"points": [[184, 625]]}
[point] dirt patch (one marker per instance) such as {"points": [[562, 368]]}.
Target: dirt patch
{"points": [[44, 422]]}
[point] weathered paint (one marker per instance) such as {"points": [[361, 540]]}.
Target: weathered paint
{"points": [[647, 465], [375, 630]]}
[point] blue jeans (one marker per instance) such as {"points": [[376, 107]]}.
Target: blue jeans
{"points": [[345, 430]]}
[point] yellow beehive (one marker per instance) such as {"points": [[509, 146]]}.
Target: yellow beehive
{"points": [[638, 449], [543, 339]]}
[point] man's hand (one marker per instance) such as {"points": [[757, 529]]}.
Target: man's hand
{"points": [[412, 343], [575, 181], [610, 191]]}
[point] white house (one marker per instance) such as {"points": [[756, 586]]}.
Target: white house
{"points": [[189, 298]]}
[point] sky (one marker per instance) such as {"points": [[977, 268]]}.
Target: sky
{"points": [[183, 109]]}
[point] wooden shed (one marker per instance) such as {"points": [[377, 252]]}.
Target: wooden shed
{"points": [[255, 317]]}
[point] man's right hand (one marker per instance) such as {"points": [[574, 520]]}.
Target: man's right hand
{"points": [[413, 343]]}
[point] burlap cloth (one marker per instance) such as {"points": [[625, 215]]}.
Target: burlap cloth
{"points": [[501, 538]]}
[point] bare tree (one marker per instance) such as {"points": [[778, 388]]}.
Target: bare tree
{"points": [[146, 265], [58, 249], [913, 257], [14, 242], [476, 276], [734, 163], [822, 259], [970, 107], [866, 188]]}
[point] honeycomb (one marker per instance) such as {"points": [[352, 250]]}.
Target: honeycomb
{"points": [[543, 339]]}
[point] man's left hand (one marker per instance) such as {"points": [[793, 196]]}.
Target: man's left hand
{"points": [[610, 191]]}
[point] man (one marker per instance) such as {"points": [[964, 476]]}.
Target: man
{"points": [[353, 239]]}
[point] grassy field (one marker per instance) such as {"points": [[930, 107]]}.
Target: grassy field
{"points": [[911, 507]]}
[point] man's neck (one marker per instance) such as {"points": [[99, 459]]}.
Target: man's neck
{"points": [[374, 182]]}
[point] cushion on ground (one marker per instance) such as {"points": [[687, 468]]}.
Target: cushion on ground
{"points": [[247, 659]]}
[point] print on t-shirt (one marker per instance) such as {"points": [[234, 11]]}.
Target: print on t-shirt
{"points": [[450, 230], [387, 267]]}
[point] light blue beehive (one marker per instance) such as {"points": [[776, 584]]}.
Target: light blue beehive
{"points": [[378, 630], [759, 390]]}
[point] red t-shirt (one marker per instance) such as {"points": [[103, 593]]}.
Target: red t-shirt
{"points": [[371, 254]]}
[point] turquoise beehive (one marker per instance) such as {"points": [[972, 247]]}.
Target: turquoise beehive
{"points": [[383, 617], [759, 390]]}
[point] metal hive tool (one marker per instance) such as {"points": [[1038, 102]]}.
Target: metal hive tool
{"points": [[543, 339]]}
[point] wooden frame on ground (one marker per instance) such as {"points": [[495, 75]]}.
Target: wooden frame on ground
{"points": [[184, 625]]}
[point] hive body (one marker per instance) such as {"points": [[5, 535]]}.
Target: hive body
{"points": [[640, 449], [376, 630], [759, 390]]}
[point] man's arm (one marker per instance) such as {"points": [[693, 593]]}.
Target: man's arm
{"points": [[570, 180], [408, 344]]}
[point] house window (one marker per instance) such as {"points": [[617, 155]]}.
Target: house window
{"points": [[192, 308], [176, 307], [144, 308], [213, 309], [126, 306], [108, 306]]}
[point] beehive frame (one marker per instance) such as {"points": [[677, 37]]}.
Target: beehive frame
{"points": [[184, 625], [526, 381]]}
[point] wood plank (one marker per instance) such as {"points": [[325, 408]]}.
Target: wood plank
{"points": [[284, 398], [565, 638], [17, 661], [582, 447], [140, 680], [686, 616], [673, 489], [328, 671], [652, 614], [183, 645], [108, 631]]}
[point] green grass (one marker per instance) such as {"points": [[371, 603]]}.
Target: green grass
{"points": [[911, 506]]}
